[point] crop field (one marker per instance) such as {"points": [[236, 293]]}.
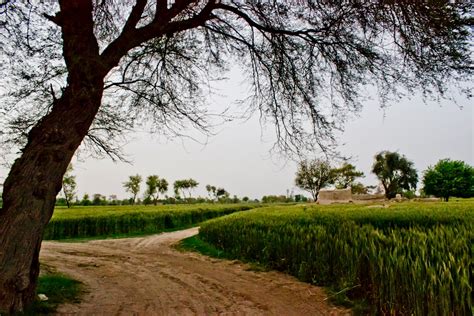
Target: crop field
{"points": [[105, 221], [410, 258]]}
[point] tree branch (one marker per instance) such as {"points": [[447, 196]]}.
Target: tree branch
{"points": [[157, 28], [135, 16]]}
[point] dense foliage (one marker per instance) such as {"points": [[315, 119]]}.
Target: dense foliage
{"points": [[406, 259], [345, 176], [313, 175], [449, 178], [396, 173], [83, 222]]}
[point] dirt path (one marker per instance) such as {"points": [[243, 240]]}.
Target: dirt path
{"points": [[145, 276]]}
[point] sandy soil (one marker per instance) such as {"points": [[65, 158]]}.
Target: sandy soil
{"points": [[146, 276]]}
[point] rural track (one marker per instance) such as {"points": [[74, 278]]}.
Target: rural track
{"points": [[147, 276]]}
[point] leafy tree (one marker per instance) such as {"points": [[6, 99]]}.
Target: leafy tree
{"points": [[133, 186], [275, 199], [98, 199], [85, 200], [345, 176], [211, 191], [69, 186], [216, 193], [395, 172], [95, 68], [449, 178], [313, 175], [155, 186], [113, 200], [359, 188], [221, 192], [184, 186]]}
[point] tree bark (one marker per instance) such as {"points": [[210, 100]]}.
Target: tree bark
{"points": [[31, 187], [35, 178]]}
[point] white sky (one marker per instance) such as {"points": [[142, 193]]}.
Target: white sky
{"points": [[238, 158]]}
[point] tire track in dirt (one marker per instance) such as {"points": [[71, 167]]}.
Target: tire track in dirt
{"points": [[146, 276]]}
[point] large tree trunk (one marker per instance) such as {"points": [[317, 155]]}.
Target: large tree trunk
{"points": [[31, 187], [35, 179]]}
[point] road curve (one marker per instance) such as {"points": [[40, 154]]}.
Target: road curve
{"points": [[146, 276]]}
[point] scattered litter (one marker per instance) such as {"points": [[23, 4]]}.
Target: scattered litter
{"points": [[42, 297]]}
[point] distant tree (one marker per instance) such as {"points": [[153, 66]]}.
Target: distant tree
{"points": [[221, 192], [313, 175], [395, 172], [162, 186], [155, 186], [245, 199], [113, 200], [133, 186], [85, 200], [275, 199], [183, 186], [359, 188], [216, 193], [211, 191], [345, 176], [300, 198], [449, 178], [69, 186], [98, 199]]}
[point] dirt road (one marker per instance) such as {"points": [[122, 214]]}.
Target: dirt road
{"points": [[145, 276]]}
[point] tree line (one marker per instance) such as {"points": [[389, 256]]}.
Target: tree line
{"points": [[155, 191], [397, 175]]}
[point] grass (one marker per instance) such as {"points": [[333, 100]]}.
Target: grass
{"points": [[410, 258], [92, 222], [196, 244], [59, 289]]}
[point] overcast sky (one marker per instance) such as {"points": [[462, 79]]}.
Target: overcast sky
{"points": [[238, 158]]}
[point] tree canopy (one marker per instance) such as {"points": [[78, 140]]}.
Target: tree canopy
{"points": [[69, 186], [313, 175], [133, 186], [155, 186], [157, 59], [345, 176], [395, 172], [186, 185], [449, 178]]}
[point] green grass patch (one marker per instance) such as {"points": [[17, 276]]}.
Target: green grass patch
{"points": [[94, 222], [196, 244], [409, 258], [59, 289]]}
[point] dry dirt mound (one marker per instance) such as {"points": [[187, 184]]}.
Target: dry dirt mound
{"points": [[145, 276]]}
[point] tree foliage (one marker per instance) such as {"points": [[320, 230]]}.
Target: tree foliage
{"points": [[449, 178], [183, 186], [133, 186], [345, 176], [395, 172], [313, 175], [158, 60], [216, 192], [69, 186], [155, 186]]}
